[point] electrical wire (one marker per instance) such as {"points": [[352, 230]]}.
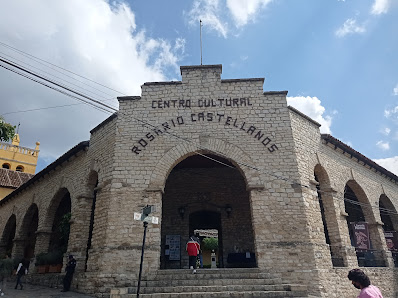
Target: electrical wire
{"points": [[57, 84], [36, 58], [43, 71]]}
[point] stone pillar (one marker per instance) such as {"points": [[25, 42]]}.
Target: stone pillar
{"points": [[43, 237], [153, 196], [79, 231], [3, 248], [335, 215], [381, 253], [18, 248]]}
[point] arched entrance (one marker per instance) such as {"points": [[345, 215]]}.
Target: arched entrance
{"points": [[8, 237], [60, 226], [389, 217], [360, 221], [204, 193], [28, 232]]}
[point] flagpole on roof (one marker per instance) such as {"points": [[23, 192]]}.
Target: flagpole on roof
{"points": [[200, 42]]}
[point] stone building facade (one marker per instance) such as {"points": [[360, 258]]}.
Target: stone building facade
{"points": [[213, 154]]}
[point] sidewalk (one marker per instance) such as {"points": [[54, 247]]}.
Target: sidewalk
{"points": [[33, 291]]}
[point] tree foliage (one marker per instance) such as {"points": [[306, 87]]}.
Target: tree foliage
{"points": [[210, 243], [7, 131]]}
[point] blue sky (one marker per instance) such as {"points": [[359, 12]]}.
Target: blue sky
{"points": [[337, 59]]}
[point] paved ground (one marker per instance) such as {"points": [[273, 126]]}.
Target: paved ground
{"points": [[33, 291]]}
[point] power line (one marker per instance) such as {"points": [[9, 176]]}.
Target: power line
{"points": [[50, 74], [57, 84], [56, 89], [43, 108], [34, 57]]}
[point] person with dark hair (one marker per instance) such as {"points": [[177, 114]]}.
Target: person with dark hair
{"points": [[70, 269], [361, 281], [21, 271]]}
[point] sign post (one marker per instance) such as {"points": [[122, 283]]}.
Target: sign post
{"points": [[145, 218]]}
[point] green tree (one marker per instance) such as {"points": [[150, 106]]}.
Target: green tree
{"points": [[7, 131], [210, 243]]}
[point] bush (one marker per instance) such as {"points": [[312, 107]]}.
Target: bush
{"points": [[6, 267], [210, 243], [49, 258]]}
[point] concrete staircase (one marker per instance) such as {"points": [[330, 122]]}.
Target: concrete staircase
{"points": [[242, 282]]}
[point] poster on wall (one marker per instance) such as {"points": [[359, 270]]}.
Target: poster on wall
{"points": [[173, 246], [361, 235], [392, 240]]}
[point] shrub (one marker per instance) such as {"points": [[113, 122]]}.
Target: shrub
{"points": [[210, 243], [6, 267], [49, 258]]}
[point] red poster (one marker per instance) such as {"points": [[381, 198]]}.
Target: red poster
{"points": [[392, 240], [361, 235]]}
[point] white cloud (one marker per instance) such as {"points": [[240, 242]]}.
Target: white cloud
{"points": [[350, 26], [380, 6], [395, 90], [386, 131], [390, 164], [213, 13], [209, 12], [311, 106], [391, 113], [383, 145], [93, 38], [243, 11]]}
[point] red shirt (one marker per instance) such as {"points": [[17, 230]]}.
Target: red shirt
{"points": [[193, 248]]}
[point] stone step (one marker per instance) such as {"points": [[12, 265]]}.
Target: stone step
{"points": [[208, 282], [206, 289], [210, 274], [216, 270], [229, 294]]}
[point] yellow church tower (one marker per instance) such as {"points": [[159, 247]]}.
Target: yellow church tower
{"points": [[18, 165]]}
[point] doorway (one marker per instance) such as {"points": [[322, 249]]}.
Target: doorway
{"points": [[206, 193]]}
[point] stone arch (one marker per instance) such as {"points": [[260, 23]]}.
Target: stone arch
{"points": [[53, 206], [50, 236], [359, 209], [8, 236], [389, 218], [354, 192], [229, 151], [26, 240], [200, 185], [388, 214]]}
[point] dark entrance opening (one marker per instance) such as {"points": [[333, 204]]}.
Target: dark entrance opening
{"points": [[203, 221], [207, 193]]}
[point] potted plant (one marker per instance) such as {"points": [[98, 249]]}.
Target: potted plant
{"points": [[54, 259], [42, 263]]}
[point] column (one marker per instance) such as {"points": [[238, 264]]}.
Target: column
{"points": [[79, 231], [343, 252], [43, 237], [18, 248], [383, 256]]}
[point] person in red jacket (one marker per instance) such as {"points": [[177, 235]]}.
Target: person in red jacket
{"points": [[192, 248]]}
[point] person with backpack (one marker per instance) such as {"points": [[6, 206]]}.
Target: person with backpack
{"points": [[21, 271]]}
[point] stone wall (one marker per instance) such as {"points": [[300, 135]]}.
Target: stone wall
{"points": [[272, 190], [336, 169]]}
